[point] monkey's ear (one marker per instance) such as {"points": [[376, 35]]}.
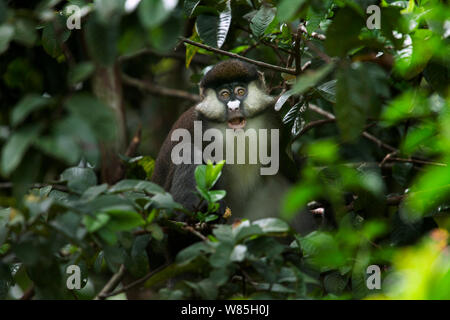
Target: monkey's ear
{"points": [[262, 80]]}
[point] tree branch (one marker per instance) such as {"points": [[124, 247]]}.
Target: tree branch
{"points": [[236, 56], [111, 284], [159, 90], [202, 60], [131, 285]]}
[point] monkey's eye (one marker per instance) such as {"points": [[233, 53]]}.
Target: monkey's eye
{"points": [[239, 91], [224, 94]]}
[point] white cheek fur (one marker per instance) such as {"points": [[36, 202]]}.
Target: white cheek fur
{"points": [[257, 100], [211, 107]]}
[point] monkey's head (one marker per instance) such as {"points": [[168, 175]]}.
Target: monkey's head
{"points": [[233, 91]]}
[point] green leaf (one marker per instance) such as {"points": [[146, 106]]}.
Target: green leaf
{"points": [[6, 34], [123, 218], [189, 7], [16, 146], [213, 173], [221, 257], [262, 20], [98, 116], [328, 90], [288, 8], [311, 78], [217, 195], [190, 253], [165, 201], [154, 12], [410, 104], [342, 34], [95, 221], [200, 177], [25, 31], [51, 41], [360, 88], [27, 105], [136, 185], [93, 192], [213, 29], [272, 225], [80, 72], [79, 179]]}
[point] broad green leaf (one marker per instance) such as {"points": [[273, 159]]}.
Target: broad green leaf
{"points": [[136, 185], [342, 34], [311, 78], [272, 225], [189, 7], [213, 29], [6, 34], [262, 20], [288, 8], [410, 104], [99, 117], [153, 12], [79, 179], [95, 221], [123, 218], [16, 146], [27, 105], [51, 39]]}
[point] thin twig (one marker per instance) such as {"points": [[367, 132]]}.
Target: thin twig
{"points": [[236, 56], [198, 59], [134, 283], [412, 160], [312, 34], [195, 232], [9, 185], [159, 90], [134, 144], [111, 284]]}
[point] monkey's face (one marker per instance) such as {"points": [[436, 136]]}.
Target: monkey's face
{"points": [[234, 103]]}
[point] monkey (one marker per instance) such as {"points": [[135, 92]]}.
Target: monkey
{"points": [[234, 97]]}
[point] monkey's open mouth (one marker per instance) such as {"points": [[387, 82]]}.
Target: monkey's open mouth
{"points": [[237, 123]]}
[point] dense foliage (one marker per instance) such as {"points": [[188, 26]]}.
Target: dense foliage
{"points": [[84, 111]]}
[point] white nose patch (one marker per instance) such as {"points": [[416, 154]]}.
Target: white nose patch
{"points": [[233, 105]]}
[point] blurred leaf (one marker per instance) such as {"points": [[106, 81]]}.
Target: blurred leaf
{"points": [[52, 39], [272, 225], [79, 179], [136, 185], [16, 146], [27, 105], [342, 34], [99, 117], [153, 12], [6, 34], [80, 72], [288, 8], [311, 78]]}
